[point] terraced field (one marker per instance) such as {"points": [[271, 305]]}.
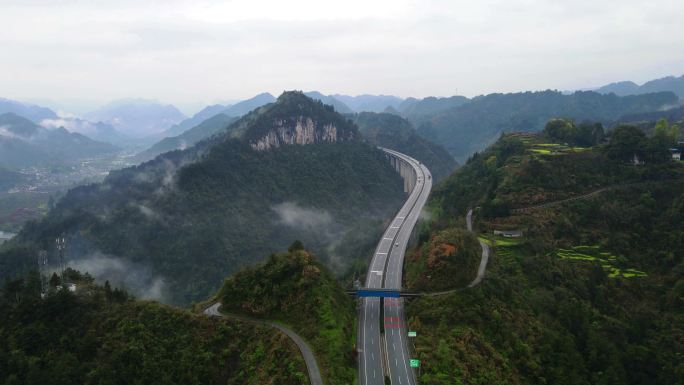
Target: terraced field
{"points": [[608, 261]]}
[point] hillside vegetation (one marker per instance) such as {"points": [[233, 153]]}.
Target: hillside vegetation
{"points": [[100, 336], [591, 293], [295, 289]]}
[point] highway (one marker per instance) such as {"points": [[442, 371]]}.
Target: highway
{"points": [[378, 355], [315, 377]]}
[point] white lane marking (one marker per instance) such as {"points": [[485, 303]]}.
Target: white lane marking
{"points": [[373, 356], [388, 238], [373, 375], [363, 331], [394, 347], [401, 217], [381, 253], [400, 379], [394, 227]]}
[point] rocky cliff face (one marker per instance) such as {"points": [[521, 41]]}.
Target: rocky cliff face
{"points": [[300, 130]]}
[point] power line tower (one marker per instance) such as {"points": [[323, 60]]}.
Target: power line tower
{"points": [[61, 246], [43, 271]]}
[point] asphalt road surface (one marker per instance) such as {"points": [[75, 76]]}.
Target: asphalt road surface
{"points": [[309, 358], [485, 252], [385, 271]]}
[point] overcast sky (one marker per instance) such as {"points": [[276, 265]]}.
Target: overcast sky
{"points": [[195, 52]]}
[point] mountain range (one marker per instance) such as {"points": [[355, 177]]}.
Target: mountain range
{"points": [[137, 117], [29, 111], [468, 128], [293, 169], [25, 144], [669, 83]]}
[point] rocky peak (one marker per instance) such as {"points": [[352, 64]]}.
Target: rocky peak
{"points": [[297, 119]]}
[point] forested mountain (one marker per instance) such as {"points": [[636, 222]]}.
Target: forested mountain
{"points": [[24, 144], [137, 117], [471, 126], [396, 133], [672, 115], [206, 129], [419, 110], [191, 217], [35, 113], [295, 289], [592, 291], [99, 335], [669, 83]]}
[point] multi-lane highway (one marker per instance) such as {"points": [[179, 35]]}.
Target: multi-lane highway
{"points": [[388, 352]]}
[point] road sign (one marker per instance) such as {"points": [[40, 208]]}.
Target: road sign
{"points": [[411, 334], [415, 363]]}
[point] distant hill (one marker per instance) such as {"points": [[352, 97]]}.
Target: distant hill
{"points": [[205, 129], [191, 217], [245, 106], [338, 105], [472, 126], [371, 103], [137, 117], [189, 123], [99, 131], [396, 133], [32, 112], [235, 110], [418, 110], [672, 115], [24, 144], [669, 83]]}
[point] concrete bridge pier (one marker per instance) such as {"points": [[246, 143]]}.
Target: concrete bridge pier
{"points": [[404, 169]]}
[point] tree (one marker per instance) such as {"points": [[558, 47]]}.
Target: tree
{"points": [[626, 141], [55, 280], [296, 246]]}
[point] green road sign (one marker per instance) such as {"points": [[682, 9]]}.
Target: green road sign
{"points": [[415, 363], [412, 334]]}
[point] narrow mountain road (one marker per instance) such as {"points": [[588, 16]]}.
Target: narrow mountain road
{"points": [[311, 365], [485, 252], [387, 353], [560, 202]]}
